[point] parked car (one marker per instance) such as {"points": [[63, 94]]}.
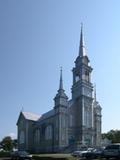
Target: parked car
{"points": [[21, 155], [76, 153], [94, 154], [112, 151], [81, 152], [1, 149]]}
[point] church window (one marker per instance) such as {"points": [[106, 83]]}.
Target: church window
{"points": [[37, 136], [63, 136], [56, 135], [98, 127], [71, 120], [48, 132], [86, 75], [98, 124], [22, 137], [56, 123], [87, 118], [71, 139], [88, 139], [77, 78], [63, 122]]}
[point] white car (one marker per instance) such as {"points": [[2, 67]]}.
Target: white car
{"points": [[81, 152], [76, 153]]}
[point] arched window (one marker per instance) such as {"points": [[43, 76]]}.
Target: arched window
{"points": [[88, 118], [86, 75], [85, 118], [48, 132], [37, 136], [63, 136], [63, 122], [22, 137]]}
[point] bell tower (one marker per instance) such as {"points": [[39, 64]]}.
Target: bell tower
{"points": [[61, 120], [82, 89]]}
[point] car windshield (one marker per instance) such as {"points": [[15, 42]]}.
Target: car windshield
{"points": [[83, 149], [113, 147], [98, 150], [90, 149]]}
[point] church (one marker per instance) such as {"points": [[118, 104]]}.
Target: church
{"points": [[71, 123]]}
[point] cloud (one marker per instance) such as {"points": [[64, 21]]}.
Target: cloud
{"points": [[13, 135]]}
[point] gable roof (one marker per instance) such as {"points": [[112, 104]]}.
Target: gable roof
{"points": [[47, 115], [31, 116], [34, 117]]}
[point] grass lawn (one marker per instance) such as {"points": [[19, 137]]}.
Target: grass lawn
{"points": [[56, 156]]}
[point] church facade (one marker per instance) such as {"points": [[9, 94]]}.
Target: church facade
{"points": [[71, 123]]}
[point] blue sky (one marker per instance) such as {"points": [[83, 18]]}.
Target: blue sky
{"points": [[39, 36]]}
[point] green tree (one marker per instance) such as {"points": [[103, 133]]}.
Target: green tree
{"points": [[113, 135], [7, 143], [15, 143]]}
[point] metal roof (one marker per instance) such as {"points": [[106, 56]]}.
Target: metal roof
{"points": [[31, 116]]}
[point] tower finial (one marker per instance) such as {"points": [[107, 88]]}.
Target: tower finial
{"points": [[61, 80], [82, 51]]}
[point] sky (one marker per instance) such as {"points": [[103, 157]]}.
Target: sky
{"points": [[37, 37]]}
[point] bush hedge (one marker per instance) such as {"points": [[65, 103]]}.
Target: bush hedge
{"points": [[4, 154]]}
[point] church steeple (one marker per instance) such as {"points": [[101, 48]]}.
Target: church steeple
{"points": [[61, 114], [82, 51], [61, 97], [96, 103], [82, 72]]}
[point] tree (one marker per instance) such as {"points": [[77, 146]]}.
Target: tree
{"points": [[7, 143], [113, 135], [15, 143]]}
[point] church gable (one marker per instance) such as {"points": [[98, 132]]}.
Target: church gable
{"points": [[28, 116], [21, 118]]}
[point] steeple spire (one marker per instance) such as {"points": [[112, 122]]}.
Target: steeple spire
{"points": [[82, 51], [61, 80], [61, 97]]}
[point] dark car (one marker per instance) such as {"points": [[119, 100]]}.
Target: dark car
{"points": [[112, 151], [20, 155]]}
